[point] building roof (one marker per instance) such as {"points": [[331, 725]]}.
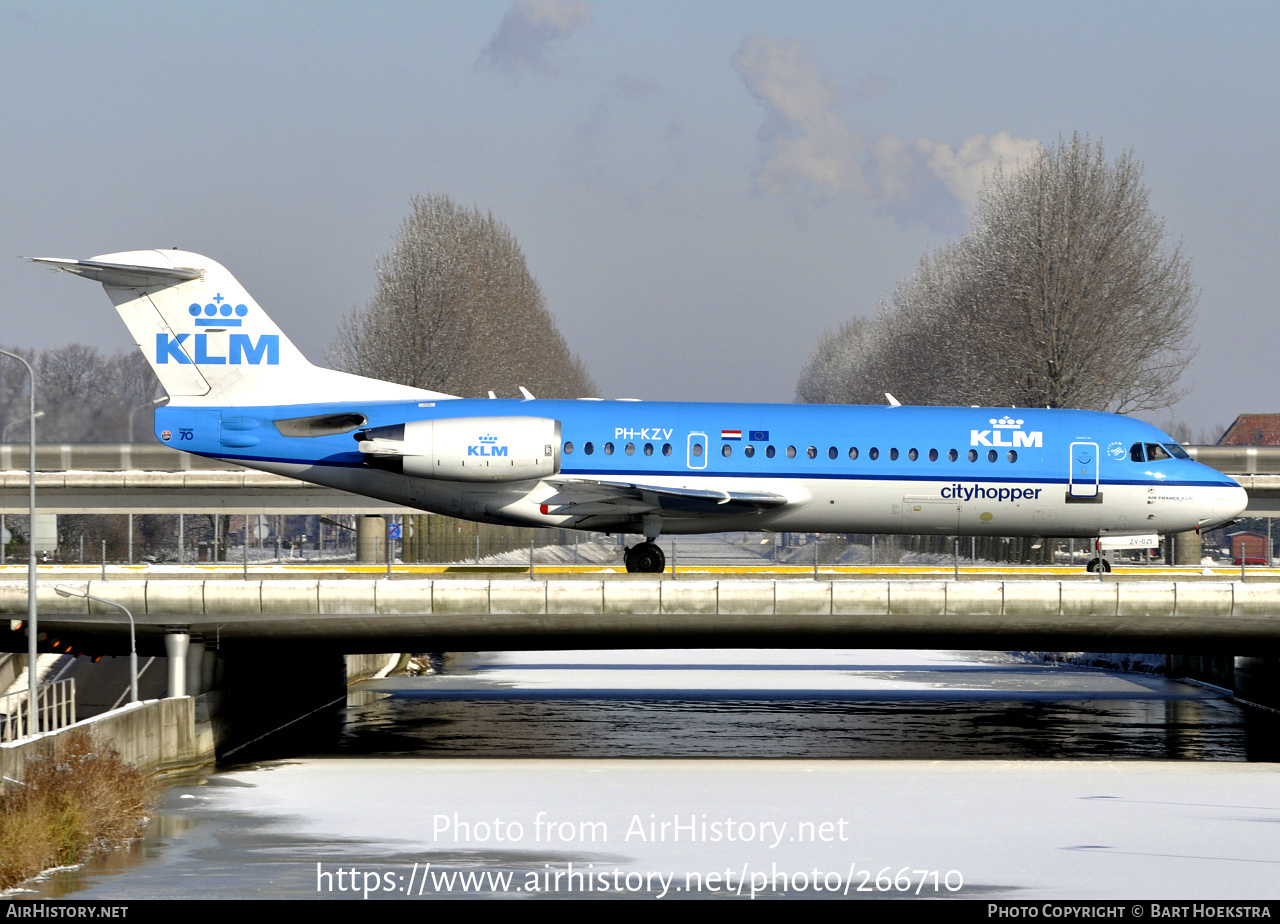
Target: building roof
{"points": [[1253, 430]]}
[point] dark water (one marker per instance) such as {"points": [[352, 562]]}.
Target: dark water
{"points": [[973, 707]]}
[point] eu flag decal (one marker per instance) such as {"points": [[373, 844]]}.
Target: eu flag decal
{"points": [[759, 436]]}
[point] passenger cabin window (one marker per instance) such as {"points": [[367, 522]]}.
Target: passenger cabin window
{"points": [[648, 449], [608, 449], [912, 455], [697, 450], [953, 455], [748, 450], [853, 452], [873, 453], [812, 452], [973, 455], [568, 449], [631, 449], [992, 455], [726, 450], [791, 452], [1013, 455], [588, 448], [933, 455], [1135, 453], [666, 449], [770, 452], [893, 455], [833, 453], [1156, 453]]}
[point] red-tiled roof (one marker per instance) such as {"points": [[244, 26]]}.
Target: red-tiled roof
{"points": [[1253, 430]]}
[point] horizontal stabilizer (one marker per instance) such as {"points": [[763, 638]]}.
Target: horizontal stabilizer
{"points": [[123, 275]]}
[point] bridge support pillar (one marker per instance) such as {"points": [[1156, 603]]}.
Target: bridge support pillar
{"points": [[195, 666], [1257, 681], [371, 539], [1187, 548], [176, 642]]}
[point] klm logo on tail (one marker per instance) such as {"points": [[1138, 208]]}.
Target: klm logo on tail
{"points": [[241, 350]]}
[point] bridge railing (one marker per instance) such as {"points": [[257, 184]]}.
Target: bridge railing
{"points": [[55, 709]]}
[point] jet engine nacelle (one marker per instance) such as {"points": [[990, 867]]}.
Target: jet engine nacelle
{"points": [[467, 448]]}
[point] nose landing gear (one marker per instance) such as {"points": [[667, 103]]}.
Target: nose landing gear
{"points": [[645, 558]]}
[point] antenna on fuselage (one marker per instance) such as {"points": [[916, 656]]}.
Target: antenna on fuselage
{"points": [[528, 395], [492, 396], [893, 402]]}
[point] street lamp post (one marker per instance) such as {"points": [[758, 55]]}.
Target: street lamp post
{"points": [[32, 632], [132, 411], [65, 590]]}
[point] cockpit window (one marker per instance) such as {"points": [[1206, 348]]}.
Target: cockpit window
{"points": [[1135, 453], [1176, 451], [1155, 452]]}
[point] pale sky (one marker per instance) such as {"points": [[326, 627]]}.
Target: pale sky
{"points": [[701, 189]]}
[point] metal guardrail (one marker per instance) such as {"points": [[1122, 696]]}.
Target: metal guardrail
{"points": [[55, 709]]}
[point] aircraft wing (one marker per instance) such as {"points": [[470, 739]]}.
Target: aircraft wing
{"points": [[590, 497]]}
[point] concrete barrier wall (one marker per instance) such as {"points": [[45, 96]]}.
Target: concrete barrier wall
{"points": [[157, 736]]}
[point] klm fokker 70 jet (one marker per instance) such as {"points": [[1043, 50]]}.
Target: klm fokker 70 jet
{"points": [[240, 390]]}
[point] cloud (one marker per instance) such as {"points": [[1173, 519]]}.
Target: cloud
{"points": [[528, 31], [810, 154]]}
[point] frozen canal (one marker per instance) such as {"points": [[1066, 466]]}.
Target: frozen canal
{"points": [[661, 774]]}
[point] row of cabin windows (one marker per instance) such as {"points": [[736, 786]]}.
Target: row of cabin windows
{"points": [[812, 452], [873, 453]]}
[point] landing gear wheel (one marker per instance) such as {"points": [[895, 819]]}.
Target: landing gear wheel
{"points": [[645, 558], [1098, 564]]}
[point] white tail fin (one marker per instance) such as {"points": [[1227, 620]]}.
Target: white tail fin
{"points": [[209, 342]]}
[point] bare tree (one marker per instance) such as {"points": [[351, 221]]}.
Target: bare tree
{"points": [[1064, 293], [85, 396], [456, 310]]}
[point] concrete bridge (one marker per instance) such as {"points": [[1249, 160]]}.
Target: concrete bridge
{"points": [[359, 615]]}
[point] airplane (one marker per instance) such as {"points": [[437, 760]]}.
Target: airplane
{"points": [[240, 390]]}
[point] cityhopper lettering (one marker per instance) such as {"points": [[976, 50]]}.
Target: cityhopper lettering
{"points": [[995, 492], [242, 350], [1007, 432]]}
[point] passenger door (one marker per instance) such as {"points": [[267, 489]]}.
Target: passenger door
{"points": [[1083, 478]]}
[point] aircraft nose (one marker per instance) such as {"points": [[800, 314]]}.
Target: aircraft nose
{"points": [[1231, 504]]}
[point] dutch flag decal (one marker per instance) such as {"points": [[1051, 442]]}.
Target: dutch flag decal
{"points": [[730, 434]]}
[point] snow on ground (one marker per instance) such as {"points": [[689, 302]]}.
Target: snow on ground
{"points": [[1011, 829]]}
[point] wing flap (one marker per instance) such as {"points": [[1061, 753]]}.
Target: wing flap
{"points": [[583, 497]]}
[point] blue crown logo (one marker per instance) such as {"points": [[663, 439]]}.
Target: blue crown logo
{"points": [[488, 439], [217, 313]]}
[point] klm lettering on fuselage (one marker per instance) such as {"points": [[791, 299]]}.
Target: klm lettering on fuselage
{"points": [[241, 350], [1007, 432]]}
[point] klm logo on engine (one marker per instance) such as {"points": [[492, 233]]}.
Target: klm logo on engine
{"points": [[488, 447], [1005, 431]]}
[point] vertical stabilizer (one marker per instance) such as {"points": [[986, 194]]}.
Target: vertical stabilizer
{"points": [[209, 342]]}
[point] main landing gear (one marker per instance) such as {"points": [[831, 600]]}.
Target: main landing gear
{"points": [[1098, 564], [645, 558]]}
